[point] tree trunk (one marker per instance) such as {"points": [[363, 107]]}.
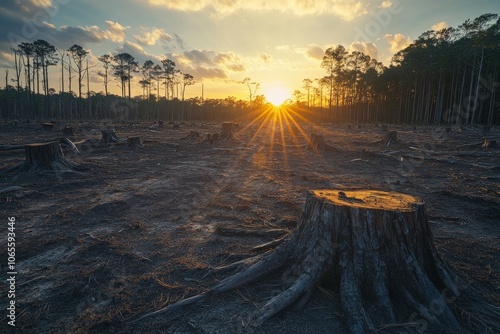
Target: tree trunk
{"points": [[375, 247], [45, 156]]}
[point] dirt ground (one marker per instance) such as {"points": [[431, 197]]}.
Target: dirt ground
{"points": [[141, 228]]}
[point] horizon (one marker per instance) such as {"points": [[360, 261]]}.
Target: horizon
{"points": [[220, 44]]}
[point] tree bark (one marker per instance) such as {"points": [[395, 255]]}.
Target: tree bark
{"points": [[376, 247]]}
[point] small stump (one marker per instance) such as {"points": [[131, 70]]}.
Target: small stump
{"points": [[317, 142], [375, 247], [227, 131], [135, 142], [45, 156], [68, 131], [390, 138], [211, 139], [489, 143], [109, 136]]}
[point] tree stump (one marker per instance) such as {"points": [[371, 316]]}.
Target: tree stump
{"points": [[487, 143], [68, 131], [135, 142], [375, 247], [45, 156], [109, 136], [227, 131], [317, 142], [390, 138]]}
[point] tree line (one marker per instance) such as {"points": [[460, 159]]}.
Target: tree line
{"points": [[444, 77]]}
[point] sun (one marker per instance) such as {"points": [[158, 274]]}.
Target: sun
{"points": [[276, 95]]}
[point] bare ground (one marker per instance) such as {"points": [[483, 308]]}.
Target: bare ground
{"points": [[141, 228]]}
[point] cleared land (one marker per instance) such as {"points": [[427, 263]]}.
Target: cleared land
{"points": [[139, 228]]}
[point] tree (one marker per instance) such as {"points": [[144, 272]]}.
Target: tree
{"points": [[252, 88], [147, 76], [27, 51], [187, 80], [78, 54], [169, 68], [18, 69], [106, 60], [298, 96], [123, 68], [307, 85], [45, 53]]}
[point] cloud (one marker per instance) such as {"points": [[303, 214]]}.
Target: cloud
{"points": [[152, 37], [31, 6], [315, 52], [397, 42], [265, 57], [345, 9], [367, 48], [440, 26], [386, 4], [115, 32], [203, 72], [206, 61]]}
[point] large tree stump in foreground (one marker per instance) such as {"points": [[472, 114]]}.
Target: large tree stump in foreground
{"points": [[45, 156], [376, 247]]}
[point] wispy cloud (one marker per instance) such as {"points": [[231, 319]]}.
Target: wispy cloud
{"points": [[345, 9]]}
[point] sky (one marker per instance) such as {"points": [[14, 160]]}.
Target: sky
{"points": [[221, 42]]}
